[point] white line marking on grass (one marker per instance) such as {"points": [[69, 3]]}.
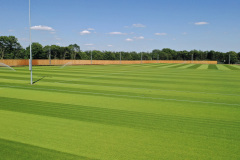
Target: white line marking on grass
{"points": [[166, 99]]}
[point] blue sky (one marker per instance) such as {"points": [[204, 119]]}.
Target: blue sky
{"points": [[126, 25]]}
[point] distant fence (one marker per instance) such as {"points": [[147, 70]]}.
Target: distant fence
{"points": [[45, 62]]}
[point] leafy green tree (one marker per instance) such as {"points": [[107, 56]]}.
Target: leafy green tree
{"points": [[9, 47], [97, 55], [47, 51], [146, 56], [37, 51], [163, 55], [74, 50], [135, 56], [21, 54], [233, 57], [155, 54], [171, 54], [83, 56], [109, 55], [55, 52], [126, 56]]}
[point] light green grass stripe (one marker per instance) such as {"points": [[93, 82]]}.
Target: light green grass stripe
{"points": [[204, 66], [167, 65], [222, 67], [187, 66], [237, 66]]}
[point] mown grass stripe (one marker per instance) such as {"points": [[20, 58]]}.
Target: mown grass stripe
{"points": [[222, 67], [177, 66], [194, 66], [17, 150], [212, 66], [122, 118], [203, 66], [232, 67], [121, 95]]}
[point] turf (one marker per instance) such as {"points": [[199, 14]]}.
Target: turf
{"points": [[143, 111]]}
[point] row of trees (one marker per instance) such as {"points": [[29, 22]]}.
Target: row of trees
{"points": [[10, 48]]}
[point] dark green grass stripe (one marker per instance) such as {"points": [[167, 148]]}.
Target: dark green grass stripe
{"points": [[12, 150], [231, 67], [212, 66], [194, 66], [130, 119]]}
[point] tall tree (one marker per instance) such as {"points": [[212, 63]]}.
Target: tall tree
{"points": [[9, 47], [74, 50], [37, 51], [233, 57]]}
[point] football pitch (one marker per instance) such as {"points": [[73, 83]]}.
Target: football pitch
{"points": [[124, 112]]}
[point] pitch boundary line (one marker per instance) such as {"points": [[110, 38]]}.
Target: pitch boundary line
{"points": [[166, 99]]}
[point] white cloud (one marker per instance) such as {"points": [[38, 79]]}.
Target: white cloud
{"points": [[139, 38], [201, 23], [117, 33], [91, 29], [57, 38], [42, 28], [160, 34], [85, 32], [10, 30], [58, 43], [89, 44], [129, 39], [109, 45], [139, 25], [184, 33]]}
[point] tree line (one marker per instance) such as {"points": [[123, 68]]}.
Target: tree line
{"points": [[10, 48]]}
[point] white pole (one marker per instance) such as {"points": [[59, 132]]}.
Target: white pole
{"points": [[30, 41], [120, 57], [91, 56], [50, 55]]}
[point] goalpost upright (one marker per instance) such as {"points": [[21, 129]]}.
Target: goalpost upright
{"points": [[30, 42]]}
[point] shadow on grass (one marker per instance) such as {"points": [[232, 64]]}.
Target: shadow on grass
{"points": [[39, 79]]}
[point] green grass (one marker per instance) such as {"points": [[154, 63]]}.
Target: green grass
{"points": [[143, 111]]}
